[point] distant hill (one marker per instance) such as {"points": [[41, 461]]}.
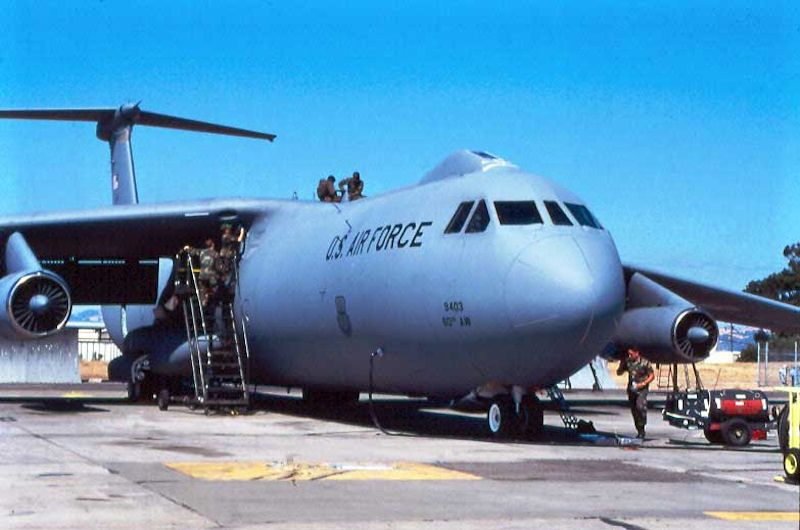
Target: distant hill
{"points": [[741, 337], [86, 315]]}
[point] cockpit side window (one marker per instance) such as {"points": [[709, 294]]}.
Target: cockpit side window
{"points": [[517, 212], [582, 215], [557, 215], [459, 218], [480, 219]]}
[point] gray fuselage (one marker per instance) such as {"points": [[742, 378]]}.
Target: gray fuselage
{"points": [[323, 285]]}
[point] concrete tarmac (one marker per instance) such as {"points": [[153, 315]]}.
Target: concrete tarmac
{"points": [[81, 457]]}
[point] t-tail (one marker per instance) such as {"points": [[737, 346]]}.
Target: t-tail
{"points": [[115, 126]]}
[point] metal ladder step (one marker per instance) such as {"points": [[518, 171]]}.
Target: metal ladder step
{"points": [[570, 421]]}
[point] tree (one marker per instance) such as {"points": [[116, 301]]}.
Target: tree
{"points": [[783, 286]]}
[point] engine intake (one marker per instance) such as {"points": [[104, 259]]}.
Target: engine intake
{"points": [[668, 334], [37, 304], [664, 326]]}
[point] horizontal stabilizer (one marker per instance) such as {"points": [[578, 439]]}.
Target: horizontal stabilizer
{"points": [[171, 122], [60, 114], [136, 116]]}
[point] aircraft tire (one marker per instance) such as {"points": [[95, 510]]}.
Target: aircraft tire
{"points": [[134, 391], [163, 399], [500, 418], [791, 464], [531, 417], [736, 432], [714, 437]]}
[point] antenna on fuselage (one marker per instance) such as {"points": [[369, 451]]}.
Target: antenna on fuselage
{"points": [[115, 125]]}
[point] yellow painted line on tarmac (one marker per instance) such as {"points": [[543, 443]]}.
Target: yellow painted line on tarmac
{"points": [[299, 471], [756, 516]]}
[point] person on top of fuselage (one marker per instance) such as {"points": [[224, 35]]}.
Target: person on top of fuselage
{"points": [[355, 186], [326, 192]]}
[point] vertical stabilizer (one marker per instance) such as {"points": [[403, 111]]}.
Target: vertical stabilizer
{"points": [[117, 130]]}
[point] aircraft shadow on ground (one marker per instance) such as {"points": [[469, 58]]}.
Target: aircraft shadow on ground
{"points": [[405, 417], [60, 406]]}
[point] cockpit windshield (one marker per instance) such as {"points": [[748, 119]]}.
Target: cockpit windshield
{"points": [[480, 219], [557, 215], [583, 215], [459, 218], [517, 212]]}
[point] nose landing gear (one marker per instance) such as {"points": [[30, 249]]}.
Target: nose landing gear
{"points": [[509, 417]]}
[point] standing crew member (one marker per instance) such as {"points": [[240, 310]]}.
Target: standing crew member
{"points": [[640, 374], [326, 192], [355, 186], [228, 257], [208, 276]]}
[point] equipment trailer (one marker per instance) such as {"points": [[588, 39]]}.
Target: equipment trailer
{"points": [[730, 417]]}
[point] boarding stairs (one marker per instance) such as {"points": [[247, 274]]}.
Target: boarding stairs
{"points": [[218, 356], [570, 421]]}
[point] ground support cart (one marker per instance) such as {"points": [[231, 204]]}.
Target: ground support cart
{"points": [[730, 417]]}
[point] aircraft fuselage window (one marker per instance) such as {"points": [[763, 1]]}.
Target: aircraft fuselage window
{"points": [[557, 214], [459, 218], [582, 215], [517, 212], [480, 219]]}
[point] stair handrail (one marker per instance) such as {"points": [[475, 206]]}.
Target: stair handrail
{"points": [[196, 297], [237, 346], [198, 384], [181, 277], [244, 317]]}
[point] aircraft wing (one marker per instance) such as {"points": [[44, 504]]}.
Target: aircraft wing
{"points": [[134, 231], [109, 255], [729, 306]]}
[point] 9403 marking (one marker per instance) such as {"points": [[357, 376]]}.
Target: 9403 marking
{"points": [[455, 316]]}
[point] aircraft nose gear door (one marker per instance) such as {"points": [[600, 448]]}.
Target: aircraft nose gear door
{"points": [[218, 361]]}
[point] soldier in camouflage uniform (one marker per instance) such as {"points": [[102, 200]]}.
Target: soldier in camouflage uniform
{"points": [[355, 186], [228, 258], [640, 374], [208, 277]]}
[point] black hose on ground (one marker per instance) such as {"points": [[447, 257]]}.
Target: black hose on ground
{"points": [[372, 414], [378, 352]]}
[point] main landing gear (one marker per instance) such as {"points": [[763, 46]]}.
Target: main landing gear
{"points": [[508, 417]]}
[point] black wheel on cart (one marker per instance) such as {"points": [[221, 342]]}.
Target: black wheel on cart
{"points": [[791, 464], [736, 432], [714, 437]]}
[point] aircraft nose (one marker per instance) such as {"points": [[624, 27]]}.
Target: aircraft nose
{"points": [[567, 288]]}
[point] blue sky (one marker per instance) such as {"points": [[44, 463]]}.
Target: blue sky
{"points": [[679, 126]]}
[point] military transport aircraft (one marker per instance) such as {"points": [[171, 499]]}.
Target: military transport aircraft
{"points": [[482, 278]]}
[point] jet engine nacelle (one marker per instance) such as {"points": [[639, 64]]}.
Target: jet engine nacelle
{"points": [[663, 326], [36, 303], [670, 334]]}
